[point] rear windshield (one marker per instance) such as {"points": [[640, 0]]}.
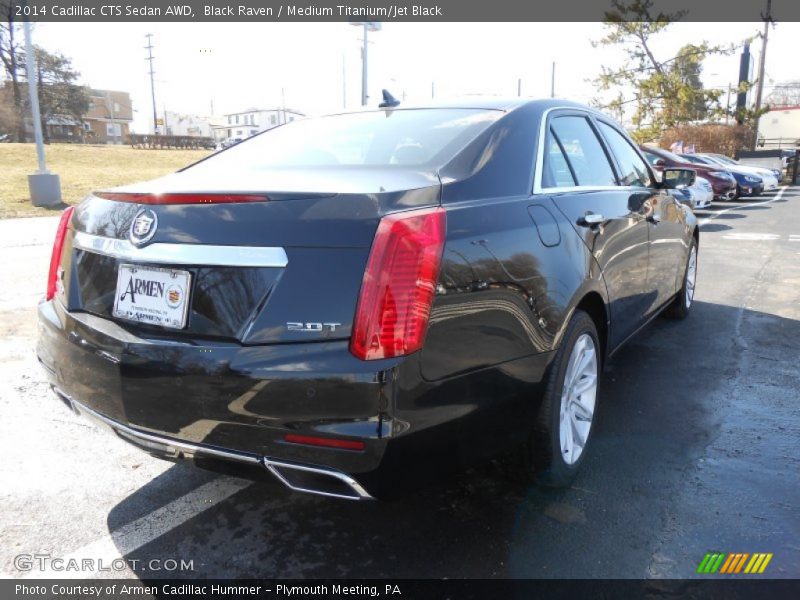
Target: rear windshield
{"points": [[653, 155], [424, 137]]}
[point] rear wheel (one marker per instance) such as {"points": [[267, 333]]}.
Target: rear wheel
{"points": [[566, 415], [685, 298]]}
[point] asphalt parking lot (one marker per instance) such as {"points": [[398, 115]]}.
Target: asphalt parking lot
{"points": [[697, 450]]}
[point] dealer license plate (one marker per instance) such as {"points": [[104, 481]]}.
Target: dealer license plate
{"points": [[152, 295]]}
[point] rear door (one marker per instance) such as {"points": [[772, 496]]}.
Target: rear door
{"points": [[665, 224], [577, 173]]}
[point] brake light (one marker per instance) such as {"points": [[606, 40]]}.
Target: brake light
{"points": [[140, 198], [309, 440], [58, 247], [399, 285]]}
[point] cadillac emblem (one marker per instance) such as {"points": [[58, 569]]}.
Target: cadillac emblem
{"points": [[143, 227]]}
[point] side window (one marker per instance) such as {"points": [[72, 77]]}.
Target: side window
{"points": [[556, 172], [583, 151], [633, 169]]}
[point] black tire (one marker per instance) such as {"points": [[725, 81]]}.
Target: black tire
{"points": [[679, 309], [547, 461]]}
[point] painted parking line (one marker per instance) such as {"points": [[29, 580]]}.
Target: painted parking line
{"points": [[777, 196], [751, 237], [128, 538]]}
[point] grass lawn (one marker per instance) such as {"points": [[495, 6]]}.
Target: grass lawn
{"points": [[82, 169]]}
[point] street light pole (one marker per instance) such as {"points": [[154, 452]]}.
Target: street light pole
{"points": [[44, 187], [149, 58]]}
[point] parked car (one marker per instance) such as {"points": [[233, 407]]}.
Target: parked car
{"points": [[360, 302], [702, 193], [722, 181], [227, 143], [747, 184], [696, 196], [771, 177]]}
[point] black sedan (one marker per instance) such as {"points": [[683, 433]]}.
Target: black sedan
{"points": [[361, 302]]}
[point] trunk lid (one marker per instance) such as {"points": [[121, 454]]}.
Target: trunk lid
{"points": [[323, 220]]}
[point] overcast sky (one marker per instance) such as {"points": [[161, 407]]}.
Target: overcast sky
{"points": [[242, 65]]}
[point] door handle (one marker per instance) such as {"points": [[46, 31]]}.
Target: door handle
{"points": [[591, 220]]}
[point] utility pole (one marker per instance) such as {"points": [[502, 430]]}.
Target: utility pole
{"points": [[553, 81], [44, 187], [433, 90], [149, 58], [364, 68], [767, 18], [519, 87], [366, 26]]}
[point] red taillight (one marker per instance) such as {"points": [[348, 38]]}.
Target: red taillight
{"points": [[181, 198], [399, 285], [58, 247], [310, 440]]}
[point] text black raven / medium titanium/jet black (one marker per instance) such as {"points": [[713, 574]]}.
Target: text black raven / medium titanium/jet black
{"points": [[359, 303]]}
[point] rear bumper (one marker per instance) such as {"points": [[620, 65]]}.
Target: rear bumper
{"points": [[330, 482], [223, 401]]}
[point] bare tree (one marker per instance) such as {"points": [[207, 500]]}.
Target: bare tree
{"points": [[786, 93], [10, 52]]}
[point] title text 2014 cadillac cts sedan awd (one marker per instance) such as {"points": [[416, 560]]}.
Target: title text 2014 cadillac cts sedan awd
{"points": [[359, 302]]}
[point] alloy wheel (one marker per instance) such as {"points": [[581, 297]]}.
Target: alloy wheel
{"points": [[578, 399]]}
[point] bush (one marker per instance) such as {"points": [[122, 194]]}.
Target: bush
{"points": [[718, 138]]}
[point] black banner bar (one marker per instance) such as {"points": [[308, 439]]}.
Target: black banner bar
{"points": [[717, 11], [456, 589]]}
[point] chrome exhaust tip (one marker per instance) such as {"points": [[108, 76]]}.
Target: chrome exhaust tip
{"points": [[310, 479], [316, 480]]}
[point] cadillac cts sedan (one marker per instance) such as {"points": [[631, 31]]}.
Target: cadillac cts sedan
{"points": [[359, 303]]}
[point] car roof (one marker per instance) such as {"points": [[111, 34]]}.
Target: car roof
{"points": [[486, 103]]}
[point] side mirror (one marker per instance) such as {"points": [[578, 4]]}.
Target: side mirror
{"points": [[678, 178], [660, 162]]}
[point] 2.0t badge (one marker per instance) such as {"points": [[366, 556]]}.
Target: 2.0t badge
{"points": [[143, 227]]}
